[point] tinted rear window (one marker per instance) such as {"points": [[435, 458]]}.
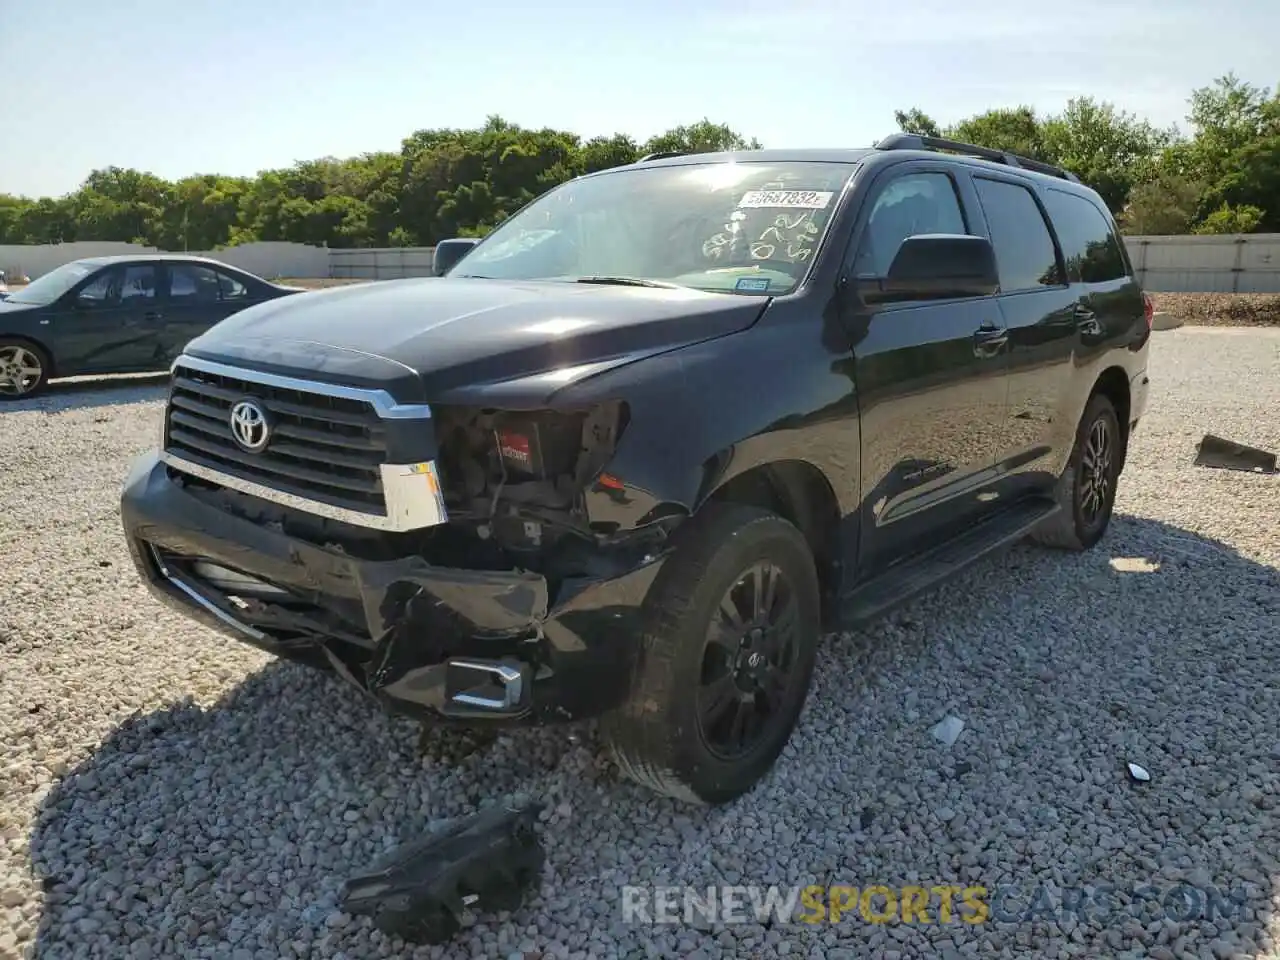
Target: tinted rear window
{"points": [[1025, 254], [1089, 243]]}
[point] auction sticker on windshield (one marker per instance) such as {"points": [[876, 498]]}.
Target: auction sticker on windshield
{"points": [[791, 199]]}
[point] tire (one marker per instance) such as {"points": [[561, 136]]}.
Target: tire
{"points": [[22, 355], [1085, 514], [674, 733]]}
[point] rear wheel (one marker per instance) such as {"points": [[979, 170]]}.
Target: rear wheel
{"points": [[1087, 488], [24, 369], [731, 632]]}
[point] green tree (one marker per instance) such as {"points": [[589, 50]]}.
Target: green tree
{"points": [[1164, 206], [701, 137], [1106, 148], [1228, 219], [449, 181], [47, 221], [915, 120], [1016, 130], [1252, 182], [11, 213]]}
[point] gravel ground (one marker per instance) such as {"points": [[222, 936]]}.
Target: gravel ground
{"points": [[167, 792]]}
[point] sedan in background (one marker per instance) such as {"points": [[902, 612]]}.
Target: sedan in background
{"points": [[104, 315]]}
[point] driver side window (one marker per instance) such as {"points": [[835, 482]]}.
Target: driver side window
{"points": [[911, 205]]}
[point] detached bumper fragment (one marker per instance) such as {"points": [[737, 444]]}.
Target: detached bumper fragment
{"points": [[1221, 454], [483, 862]]}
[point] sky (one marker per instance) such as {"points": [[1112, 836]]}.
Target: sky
{"points": [[178, 87]]}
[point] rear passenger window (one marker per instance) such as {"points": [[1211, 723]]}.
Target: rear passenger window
{"points": [[1089, 244], [910, 205], [192, 284], [1025, 254], [232, 289]]}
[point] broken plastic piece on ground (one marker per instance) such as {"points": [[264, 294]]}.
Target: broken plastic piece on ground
{"points": [[484, 862], [947, 731], [1227, 455], [1139, 774]]}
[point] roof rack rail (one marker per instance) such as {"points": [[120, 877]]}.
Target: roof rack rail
{"points": [[663, 155], [914, 141]]}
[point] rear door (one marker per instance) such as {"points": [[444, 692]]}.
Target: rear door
{"points": [[1110, 306], [1038, 308], [194, 304], [931, 395], [201, 295], [111, 323]]}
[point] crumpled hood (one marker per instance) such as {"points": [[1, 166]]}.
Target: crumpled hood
{"points": [[422, 339]]}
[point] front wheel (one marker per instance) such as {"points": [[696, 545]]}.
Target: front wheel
{"points": [[731, 632], [24, 369], [1086, 490]]}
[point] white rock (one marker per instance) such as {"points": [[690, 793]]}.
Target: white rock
{"points": [[947, 730]]}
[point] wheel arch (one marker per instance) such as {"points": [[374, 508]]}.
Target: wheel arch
{"points": [[1113, 383], [800, 493]]}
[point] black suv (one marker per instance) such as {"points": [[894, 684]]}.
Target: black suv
{"points": [[636, 450]]}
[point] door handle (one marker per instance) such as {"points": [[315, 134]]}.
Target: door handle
{"points": [[153, 315], [989, 340]]}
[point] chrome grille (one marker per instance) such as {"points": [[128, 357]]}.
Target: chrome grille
{"points": [[323, 447]]}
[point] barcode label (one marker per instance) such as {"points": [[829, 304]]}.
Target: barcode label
{"points": [[787, 199]]}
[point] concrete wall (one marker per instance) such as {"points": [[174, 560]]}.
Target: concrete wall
{"points": [[1232, 263], [384, 263], [1243, 263]]}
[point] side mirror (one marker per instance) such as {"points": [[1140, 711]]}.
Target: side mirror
{"points": [[936, 266], [449, 252]]}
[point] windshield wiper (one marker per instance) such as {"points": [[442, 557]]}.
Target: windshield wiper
{"points": [[628, 282]]}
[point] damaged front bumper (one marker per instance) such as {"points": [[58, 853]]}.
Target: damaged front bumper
{"points": [[425, 640]]}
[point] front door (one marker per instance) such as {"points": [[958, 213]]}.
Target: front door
{"points": [[931, 388], [111, 323]]}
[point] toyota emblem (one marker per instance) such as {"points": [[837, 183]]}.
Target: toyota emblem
{"points": [[249, 427]]}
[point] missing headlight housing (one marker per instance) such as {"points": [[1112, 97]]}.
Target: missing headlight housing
{"points": [[539, 447]]}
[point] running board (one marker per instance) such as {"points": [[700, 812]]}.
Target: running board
{"points": [[903, 581]]}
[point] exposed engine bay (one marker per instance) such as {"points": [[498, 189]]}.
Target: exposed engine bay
{"points": [[517, 478]]}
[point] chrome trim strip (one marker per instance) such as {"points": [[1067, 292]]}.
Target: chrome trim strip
{"points": [[508, 677], [233, 582], [413, 494], [383, 403], [200, 600]]}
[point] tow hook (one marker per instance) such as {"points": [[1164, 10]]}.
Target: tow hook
{"points": [[420, 891]]}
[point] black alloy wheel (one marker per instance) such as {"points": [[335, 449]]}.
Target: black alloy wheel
{"points": [[749, 661], [729, 636]]}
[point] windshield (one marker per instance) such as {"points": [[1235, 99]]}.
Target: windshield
{"points": [[746, 228], [52, 285]]}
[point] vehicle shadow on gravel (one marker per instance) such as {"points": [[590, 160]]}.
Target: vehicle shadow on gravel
{"points": [[192, 827]]}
